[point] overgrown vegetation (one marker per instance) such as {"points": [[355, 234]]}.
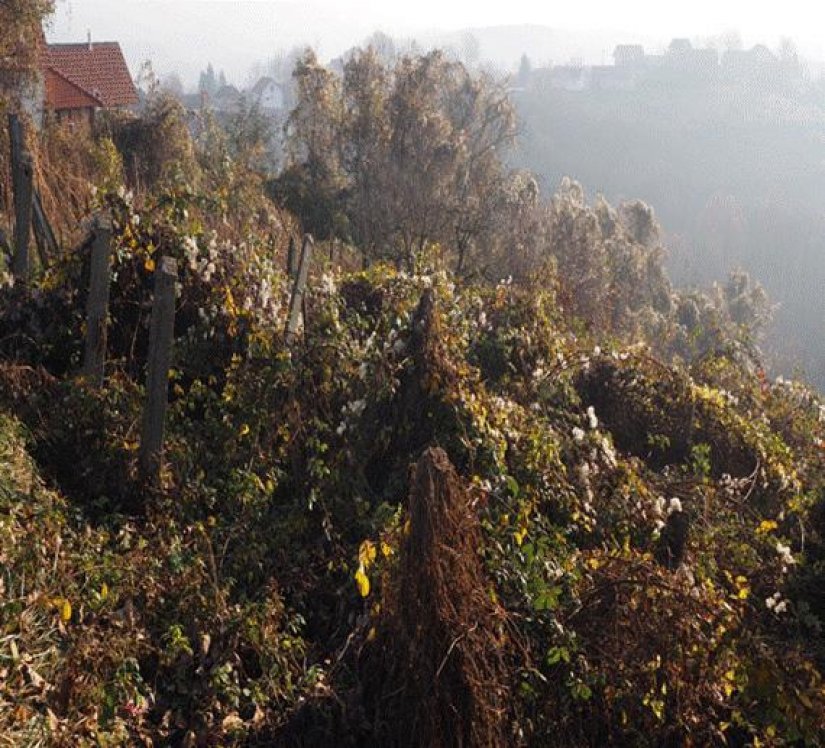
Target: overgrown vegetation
{"points": [[20, 23], [613, 532]]}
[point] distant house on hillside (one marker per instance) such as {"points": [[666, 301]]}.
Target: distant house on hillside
{"points": [[628, 54], [683, 58], [268, 94], [570, 77], [680, 47], [755, 66], [613, 78], [226, 99], [82, 78]]}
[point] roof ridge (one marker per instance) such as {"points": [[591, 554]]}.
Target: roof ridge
{"points": [[82, 44]]}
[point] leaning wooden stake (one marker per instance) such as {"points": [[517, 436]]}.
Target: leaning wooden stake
{"points": [[43, 232], [160, 354], [296, 303], [97, 304], [21, 266]]}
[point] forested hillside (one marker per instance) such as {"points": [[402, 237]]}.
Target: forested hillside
{"points": [[735, 174], [503, 484]]}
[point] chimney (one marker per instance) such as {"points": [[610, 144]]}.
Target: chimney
{"points": [[89, 38]]}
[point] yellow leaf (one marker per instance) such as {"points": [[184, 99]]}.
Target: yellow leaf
{"points": [[362, 581], [803, 697], [149, 265], [104, 591], [366, 554], [231, 306], [766, 526], [519, 535], [371, 634], [66, 611], [244, 429]]}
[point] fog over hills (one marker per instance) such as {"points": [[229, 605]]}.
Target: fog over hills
{"points": [[236, 36], [503, 46], [182, 36]]}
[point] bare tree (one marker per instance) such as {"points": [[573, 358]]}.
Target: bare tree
{"points": [[313, 178], [411, 154]]}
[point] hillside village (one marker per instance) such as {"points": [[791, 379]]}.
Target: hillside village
{"points": [[681, 64]]}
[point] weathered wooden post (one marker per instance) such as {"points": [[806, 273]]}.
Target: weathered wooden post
{"points": [[15, 154], [97, 304], [15, 143], [161, 336], [291, 258], [23, 196], [296, 303]]}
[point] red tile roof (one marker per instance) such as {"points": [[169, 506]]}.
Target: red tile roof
{"points": [[97, 71]]}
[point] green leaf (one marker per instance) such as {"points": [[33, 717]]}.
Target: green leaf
{"points": [[512, 486], [581, 691], [558, 654]]}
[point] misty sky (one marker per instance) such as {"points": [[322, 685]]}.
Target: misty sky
{"points": [[183, 35]]}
